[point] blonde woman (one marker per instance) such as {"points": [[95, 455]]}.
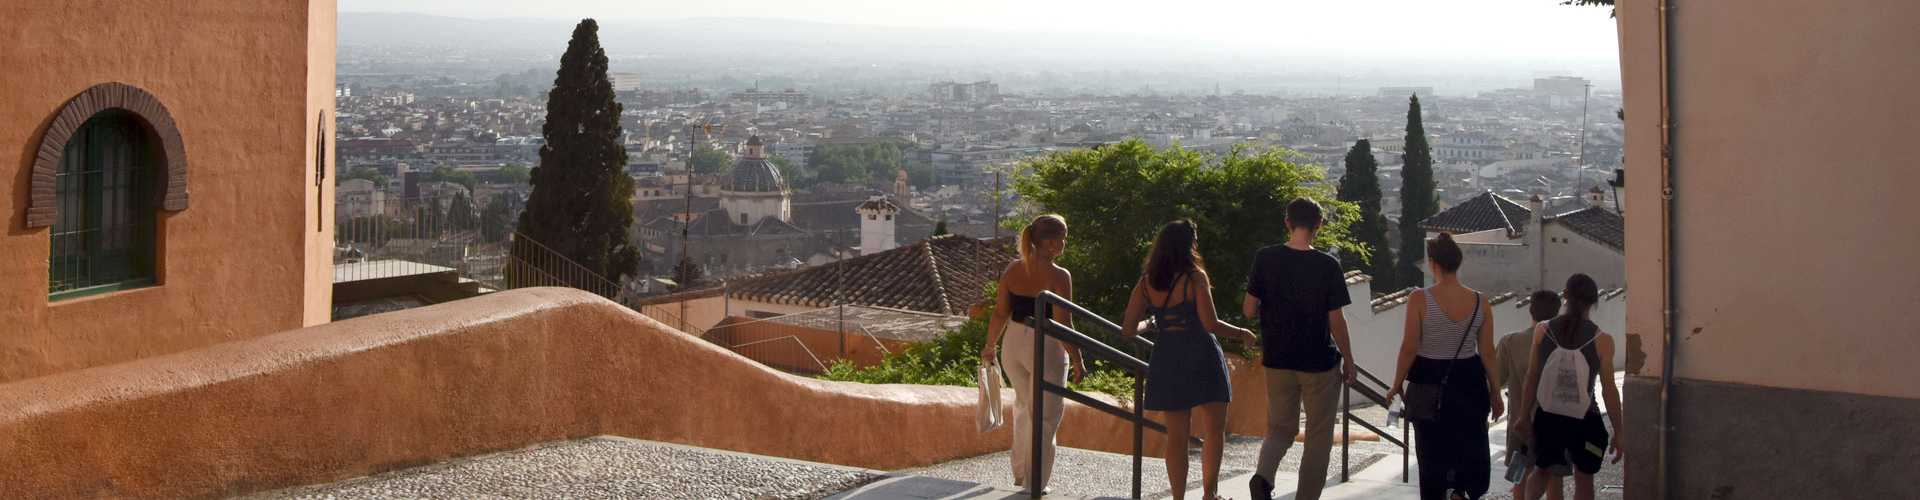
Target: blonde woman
{"points": [[1041, 242]]}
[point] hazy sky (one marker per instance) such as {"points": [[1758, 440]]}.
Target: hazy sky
{"points": [[1539, 31]]}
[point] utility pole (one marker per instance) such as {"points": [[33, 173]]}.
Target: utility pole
{"points": [[1580, 171], [996, 203], [686, 224]]}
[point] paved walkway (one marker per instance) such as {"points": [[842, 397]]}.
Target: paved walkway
{"points": [[600, 467], [1382, 479]]}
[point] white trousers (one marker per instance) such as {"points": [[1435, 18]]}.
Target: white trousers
{"points": [[1016, 358]]}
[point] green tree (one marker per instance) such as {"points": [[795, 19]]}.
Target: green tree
{"points": [[1361, 187], [856, 163], [687, 274], [494, 224], [514, 174], [1417, 200], [795, 178], [460, 212], [368, 173], [581, 205], [453, 175], [940, 228], [1115, 198], [707, 160]]}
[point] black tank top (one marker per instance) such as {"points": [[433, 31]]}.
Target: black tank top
{"points": [[1561, 334], [1020, 307]]}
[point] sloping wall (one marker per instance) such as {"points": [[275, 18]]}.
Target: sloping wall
{"points": [[495, 372]]}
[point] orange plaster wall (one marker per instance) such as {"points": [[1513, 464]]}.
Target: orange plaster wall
{"points": [[234, 75], [317, 301], [494, 372]]}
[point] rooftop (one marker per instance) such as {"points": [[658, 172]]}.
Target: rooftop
{"points": [[881, 322], [943, 274], [1485, 212], [1598, 224]]}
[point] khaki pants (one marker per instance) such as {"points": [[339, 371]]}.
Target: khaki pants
{"points": [[1016, 358], [1287, 392]]}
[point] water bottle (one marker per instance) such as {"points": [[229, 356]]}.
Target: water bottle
{"points": [[1393, 413]]}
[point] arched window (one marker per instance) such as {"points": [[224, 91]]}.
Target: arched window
{"points": [[107, 189]]}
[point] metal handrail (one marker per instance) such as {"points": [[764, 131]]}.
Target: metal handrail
{"points": [[1348, 418], [1044, 327]]}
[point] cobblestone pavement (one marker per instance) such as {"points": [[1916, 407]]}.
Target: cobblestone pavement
{"points": [[1088, 473], [599, 467]]}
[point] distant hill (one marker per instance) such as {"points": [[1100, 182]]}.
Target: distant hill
{"points": [[735, 36]]}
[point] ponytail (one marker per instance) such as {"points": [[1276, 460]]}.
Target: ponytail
{"points": [[1043, 228], [1582, 293]]}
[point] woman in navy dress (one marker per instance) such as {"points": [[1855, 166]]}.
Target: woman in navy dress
{"points": [[1187, 370]]}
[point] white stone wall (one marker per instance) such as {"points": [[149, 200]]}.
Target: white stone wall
{"points": [[756, 206], [1569, 252], [877, 231], [1376, 336]]}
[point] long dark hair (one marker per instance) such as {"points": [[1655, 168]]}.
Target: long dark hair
{"points": [[1175, 251], [1581, 293]]}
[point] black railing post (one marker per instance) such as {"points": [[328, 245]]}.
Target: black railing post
{"points": [[1139, 437], [1346, 432], [1041, 315]]}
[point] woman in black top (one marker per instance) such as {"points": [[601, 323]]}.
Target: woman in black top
{"points": [[1041, 242], [1563, 444], [1187, 370]]}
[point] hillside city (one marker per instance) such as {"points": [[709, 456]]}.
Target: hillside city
{"points": [[943, 151]]}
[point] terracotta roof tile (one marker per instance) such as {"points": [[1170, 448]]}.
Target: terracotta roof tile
{"points": [[1598, 224], [943, 274], [1481, 213]]}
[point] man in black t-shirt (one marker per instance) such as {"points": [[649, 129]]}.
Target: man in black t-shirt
{"points": [[1297, 291]]}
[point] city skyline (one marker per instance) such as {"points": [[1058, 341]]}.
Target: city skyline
{"points": [[1530, 32]]}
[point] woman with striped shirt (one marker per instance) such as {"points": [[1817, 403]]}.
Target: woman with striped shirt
{"points": [[1449, 326]]}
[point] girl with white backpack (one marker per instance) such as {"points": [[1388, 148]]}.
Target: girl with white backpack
{"points": [[1557, 409]]}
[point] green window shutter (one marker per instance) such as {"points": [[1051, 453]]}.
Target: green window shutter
{"points": [[103, 239]]}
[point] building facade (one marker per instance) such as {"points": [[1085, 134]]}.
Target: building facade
{"points": [[162, 201], [1773, 311]]}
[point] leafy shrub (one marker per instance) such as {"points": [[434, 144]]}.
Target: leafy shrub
{"points": [[953, 358]]}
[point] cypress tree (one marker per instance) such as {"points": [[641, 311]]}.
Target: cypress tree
{"points": [[940, 228], [460, 214], [1417, 199], [1361, 186], [581, 205]]}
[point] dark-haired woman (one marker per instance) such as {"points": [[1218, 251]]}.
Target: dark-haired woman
{"points": [[1557, 409], [1040, 243], [1448, 327], [1187, 370]]}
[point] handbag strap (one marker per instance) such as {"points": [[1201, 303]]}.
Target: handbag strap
{"points": [[1464, 334]]}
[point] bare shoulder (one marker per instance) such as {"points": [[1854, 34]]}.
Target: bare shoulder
{"points": [[1012, 272], [1061, 274]]}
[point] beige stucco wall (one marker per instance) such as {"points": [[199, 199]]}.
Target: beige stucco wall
{"points": [[1795, 263], [235, 76]]}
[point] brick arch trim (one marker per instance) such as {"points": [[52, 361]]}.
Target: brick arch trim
{"points": [[42, 207]]}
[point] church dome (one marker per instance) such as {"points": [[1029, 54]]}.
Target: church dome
{"points": [[752, 173]]}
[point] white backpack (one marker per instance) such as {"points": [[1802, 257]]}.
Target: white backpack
{"points": [[1564, 388]]}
